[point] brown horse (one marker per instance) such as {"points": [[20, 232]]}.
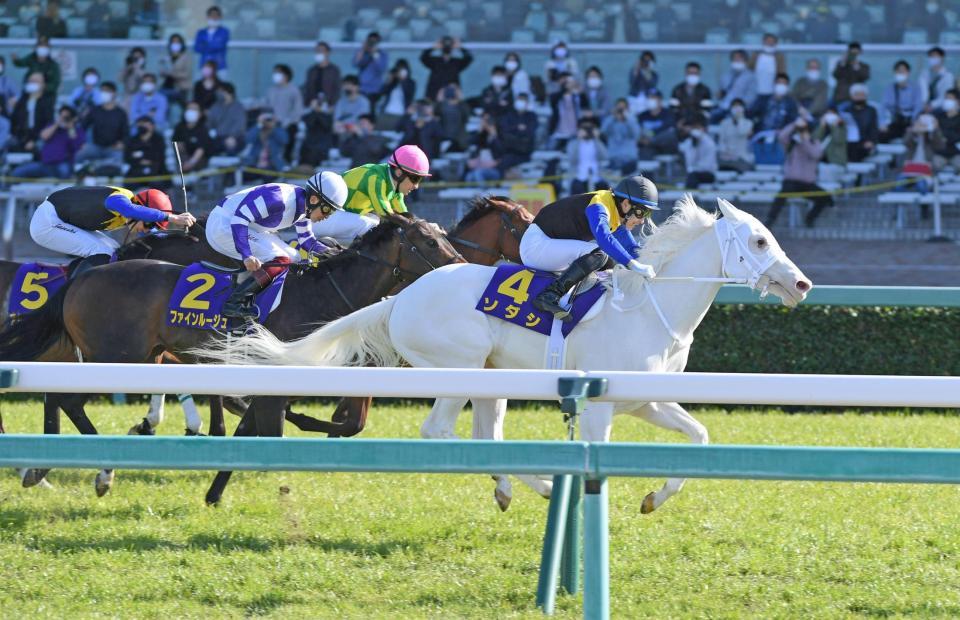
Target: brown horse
{"points": [[126, 302], [491, 230]]}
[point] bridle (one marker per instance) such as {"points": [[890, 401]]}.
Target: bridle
{"points": [[398, 272], [506, 225]]}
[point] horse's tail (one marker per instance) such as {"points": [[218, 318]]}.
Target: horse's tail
{"points": [[28, 336], [359, 338]]}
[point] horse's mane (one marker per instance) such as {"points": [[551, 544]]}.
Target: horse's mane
{"points": [[479, 206], [687, 222], [372, 239]]}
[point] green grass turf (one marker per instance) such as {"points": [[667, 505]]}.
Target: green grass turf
{"points": [[389, 546]]}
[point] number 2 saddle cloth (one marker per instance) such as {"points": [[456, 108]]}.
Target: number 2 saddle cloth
{"points": [[509, 296], [198, 298], [33, 285]]}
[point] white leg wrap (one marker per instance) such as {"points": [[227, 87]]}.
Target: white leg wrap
{"points": [[190, 413]]}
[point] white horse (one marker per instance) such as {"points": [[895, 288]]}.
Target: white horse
{"points": [[642, 326]]}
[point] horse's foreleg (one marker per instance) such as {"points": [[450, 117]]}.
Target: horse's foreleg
{"points": [[192, 417], [73, 406], [218, 427], [51, 426], [153, 418], [674, 417], [246, 428]]}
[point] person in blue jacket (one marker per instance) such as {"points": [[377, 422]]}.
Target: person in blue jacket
{"points": [[211, 42]]}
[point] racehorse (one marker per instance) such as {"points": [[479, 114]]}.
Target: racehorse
{"points": [[642, 326], [127, 302], [491, 230]]}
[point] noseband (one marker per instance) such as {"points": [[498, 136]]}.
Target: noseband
{"points": [[506, 224]]}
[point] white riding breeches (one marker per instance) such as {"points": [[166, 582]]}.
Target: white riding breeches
{"points": [[539, 251], [345, 226], [48, 230], [264, 245]]}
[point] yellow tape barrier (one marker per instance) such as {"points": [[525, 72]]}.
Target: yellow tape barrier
{"points": [[452, 184]]}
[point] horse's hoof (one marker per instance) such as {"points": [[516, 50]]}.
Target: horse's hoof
{"points": [[143, 428], [648, 506], [192, 433], [503, 500], [103, 482], [213, 501], [32, 477]]}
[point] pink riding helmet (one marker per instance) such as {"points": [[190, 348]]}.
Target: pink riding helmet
{"points": [[411, 159]]}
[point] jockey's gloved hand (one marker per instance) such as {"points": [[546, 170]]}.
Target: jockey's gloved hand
{"points": [[644, 270]]}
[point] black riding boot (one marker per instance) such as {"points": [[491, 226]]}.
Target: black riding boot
{"points": [[549, 299], [86, 264], [240, 303]]}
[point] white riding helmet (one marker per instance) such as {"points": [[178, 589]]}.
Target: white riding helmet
{"points": [[329, 187]]}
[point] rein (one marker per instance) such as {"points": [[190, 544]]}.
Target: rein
{"points": [[506, 224]]}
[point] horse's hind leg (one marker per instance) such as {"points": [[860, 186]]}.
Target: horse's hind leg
{"points": [[442, 421], [218, 427], [153, 418], [51, 426], [351, 413], [674, 417], [246, 428], [191, 416], [72, 405]]}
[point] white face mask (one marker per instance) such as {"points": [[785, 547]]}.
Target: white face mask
{"points": [[511, 65], [738, 65], [320, 57], [737, 111], [594, 82], [651, 65], [780, 89], [91, 79], [696, 133], [692, 79], [932, 7], [43, 51], [176, 47], [278, 78], [560, 52], [934, 61], [105, 97], [31, 87], [830, 118], [520, 106], [191, 116], [949, 105], [402, 74], [499, 81], [900, 77], [813, 74], [213, 23], [148, 87]]}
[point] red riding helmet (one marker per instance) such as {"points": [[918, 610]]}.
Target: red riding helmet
{"points": [[155, 199]]}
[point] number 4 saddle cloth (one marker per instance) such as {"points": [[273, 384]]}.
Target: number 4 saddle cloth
{"points": [[33, 285], [509, 296], [198, 298]]}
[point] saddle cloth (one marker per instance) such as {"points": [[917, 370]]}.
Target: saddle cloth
{"points": [[510, 293], [198, 298], [33, 285]]}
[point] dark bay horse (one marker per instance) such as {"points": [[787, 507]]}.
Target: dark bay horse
{"points": [[117, 312], [491, 230]]}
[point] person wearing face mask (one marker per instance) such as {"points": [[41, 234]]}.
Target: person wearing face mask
{"points": [[205, 89], [8, 90], [453, 113], [397, 96], [286, 102], [210, 43], [323, 76], [446, 60], [175, 71], [690, 94], [936, 80], [779, 110], [33, 111], [598, 101], [61, 142], [145, 151], [518, 77], [699, 154], [485, 145], [39, 61], [566, 108], [810, 91], [850, 70], [658, 128], [518, 134], [832, 132], [134, 68], [558, 66], [863, 126], [227, 120], [737, 83], [85, 96], [371, 63], [766, 64], [902, 102], [733, 145], [150, 102], [923, 139], [587, 154], [643, 78], [622, 132], [350, 107], [194, 138], [803, 155], [266, 142], [421, 128], [948, 120], [496, 99], [107, 128]]}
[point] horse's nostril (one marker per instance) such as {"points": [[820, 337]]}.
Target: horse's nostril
{"points": [[803, 286]]}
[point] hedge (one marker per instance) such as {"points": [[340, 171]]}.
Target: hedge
{"points": [[828, 340]]}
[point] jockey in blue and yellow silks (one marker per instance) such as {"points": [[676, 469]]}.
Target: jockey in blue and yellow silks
{"points": [[577, 234]]}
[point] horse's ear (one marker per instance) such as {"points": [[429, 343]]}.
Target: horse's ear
{"points": [[727, 209]]}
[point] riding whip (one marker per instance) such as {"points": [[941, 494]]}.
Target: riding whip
{"points": [[183, 184]]}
